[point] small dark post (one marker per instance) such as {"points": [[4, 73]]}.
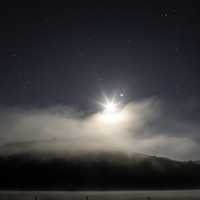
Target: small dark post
{"points": [[148, 198], [35, 198], [86, 198]]}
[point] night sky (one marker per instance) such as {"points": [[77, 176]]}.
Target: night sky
{"points": [[68, 54]]}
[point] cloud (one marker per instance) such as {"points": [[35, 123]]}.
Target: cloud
{"points": [[61, 129]]}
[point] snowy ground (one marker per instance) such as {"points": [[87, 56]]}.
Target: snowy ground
{"points": [[111, 195]]}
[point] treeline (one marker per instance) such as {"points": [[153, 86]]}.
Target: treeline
{"points": [[98, 171]]}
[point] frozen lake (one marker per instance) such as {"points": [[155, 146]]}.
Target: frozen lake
{"points": [[114, 195]]}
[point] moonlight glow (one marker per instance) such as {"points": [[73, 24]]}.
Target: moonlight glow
{"points": [[111, 112], [110, 107]]}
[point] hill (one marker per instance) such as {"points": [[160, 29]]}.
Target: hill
{"points": [[98, 171]]}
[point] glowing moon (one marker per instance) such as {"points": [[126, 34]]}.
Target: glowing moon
{"points": [[111, 112], [110, 107]]}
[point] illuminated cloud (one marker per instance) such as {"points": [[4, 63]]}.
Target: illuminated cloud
{"points": [[61, 129]]}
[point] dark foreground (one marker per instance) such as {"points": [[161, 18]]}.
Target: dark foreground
{"points": [[101, 171], [108, 195]]}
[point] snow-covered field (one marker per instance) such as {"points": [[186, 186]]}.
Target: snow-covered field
{"points": [[108, 195]]}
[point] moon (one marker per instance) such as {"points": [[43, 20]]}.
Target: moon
{"points": [[110, 107], [111, 112]]}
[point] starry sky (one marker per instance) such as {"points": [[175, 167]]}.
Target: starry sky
{"points": [[66, 53], [69, 53]]}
